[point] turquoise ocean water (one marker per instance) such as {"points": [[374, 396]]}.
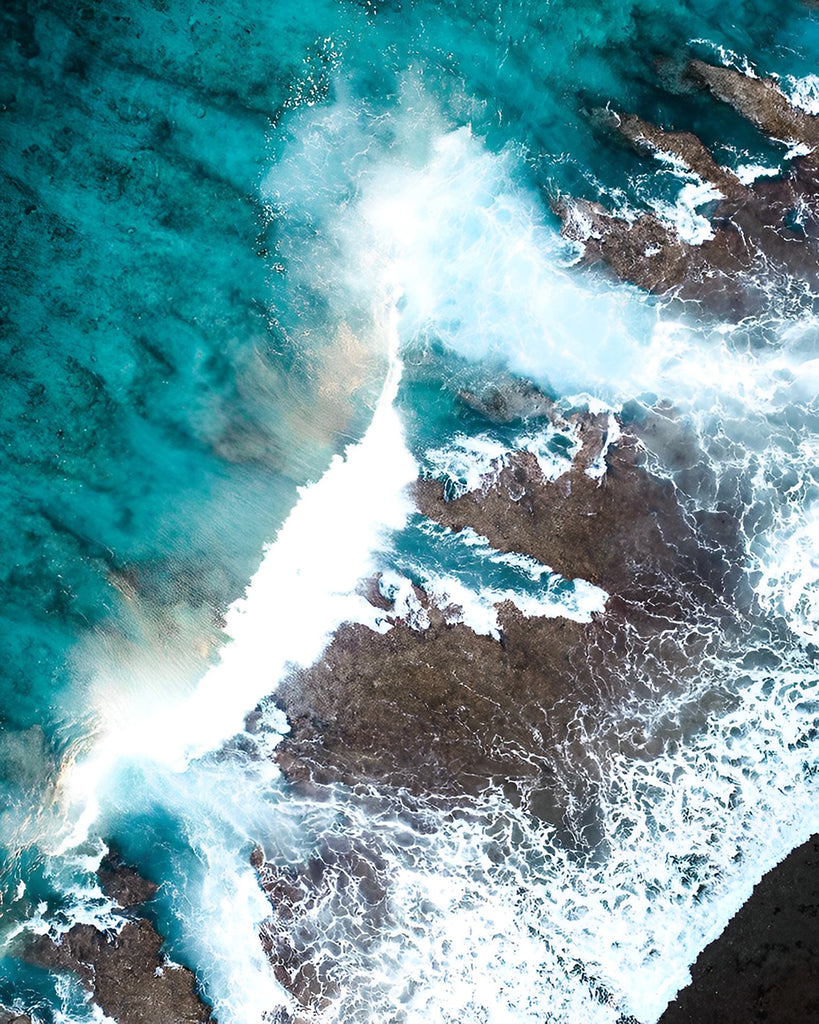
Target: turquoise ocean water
{"points": [[224, 226]]}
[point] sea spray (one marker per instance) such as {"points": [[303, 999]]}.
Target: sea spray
{"points": [[303, 590]]}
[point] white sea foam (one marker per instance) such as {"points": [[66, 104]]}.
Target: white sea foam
{"points": [[467, 463], [478, 266], [524, 564], [802, 92], [225, 805], [473, 462], [535, 589], [788, 584], [684, 215], [219, 900], [477, 607], [728, 57], [406, 605], [482, 271], [597, 469], [492, 917], [748, 173], [305, 586]]}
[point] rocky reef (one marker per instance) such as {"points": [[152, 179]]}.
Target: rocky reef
{"points": [[10, 1017], [764, 235], [442, 710], [439, 713], [125, 971]]}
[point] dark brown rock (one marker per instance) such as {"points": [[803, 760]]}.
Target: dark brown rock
{"points": [[506, 401], [765, 965], [649, 253], [10, 1017], [129, 978], [764, 234], [122, 884], [685, 147], [760, 100], [624, 531], [127, 975], [443, 712]]}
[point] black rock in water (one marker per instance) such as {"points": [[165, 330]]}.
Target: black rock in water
{"points": [[10, 1017], [765, 965], [763, 234]]}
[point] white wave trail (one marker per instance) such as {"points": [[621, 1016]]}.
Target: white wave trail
{"points": [[303, 590], [305, 586]]}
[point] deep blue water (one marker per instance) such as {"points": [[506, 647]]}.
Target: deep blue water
{"points": [[193, 326]]}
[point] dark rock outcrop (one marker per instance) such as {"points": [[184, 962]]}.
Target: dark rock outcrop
{"points": [[439, 712], [764, 968], [623, 530], [125, 971], [127, 975], [683, 146], [765, 234], [760, 100], [122, 884], [443, 711], [648, 252], [10, 1017]]}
